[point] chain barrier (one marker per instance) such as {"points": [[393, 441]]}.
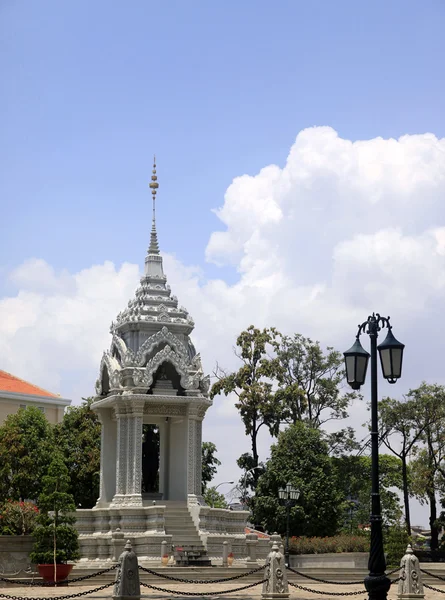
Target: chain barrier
{"points": [[54, 584], [78, 595], [340, 582], [200, 594], [302, 587], [432, 574], [435, 589], [201, 581]]}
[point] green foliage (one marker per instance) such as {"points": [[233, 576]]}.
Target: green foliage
{"points": [[252, 385], [18, 518], [214, 499], [354, 479], [310, 381], [26, 445], [396, 542], [335, 543], [300, 457], [210, 463], [78, 437], [55, 538]]}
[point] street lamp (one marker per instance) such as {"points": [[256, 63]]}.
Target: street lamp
{"points": [[289, 495], [216, 487], [356, 363]]}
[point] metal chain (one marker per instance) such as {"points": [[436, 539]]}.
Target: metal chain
{"points": [[432, 574], [79, 595], [338, 582], [302, 587], [54, 584], [181, 593], [435, 589], [200, 581]]}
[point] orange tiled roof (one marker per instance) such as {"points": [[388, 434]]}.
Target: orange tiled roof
{"points": [[11, 383], [260, 534]]}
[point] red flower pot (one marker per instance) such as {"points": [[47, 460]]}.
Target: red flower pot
{"points": [[47, 572]]}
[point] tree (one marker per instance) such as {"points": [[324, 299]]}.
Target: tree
{"points": [[428, 470], [214, 499], [310, 381], [55, 538], [210, 464], [300, 457], [252, 384], [26, 447], [78, 437], [354, 480], [401, 420]]}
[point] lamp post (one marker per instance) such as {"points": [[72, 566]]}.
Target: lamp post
{"points": [[377, 583], [219, 484], [289, 495]]}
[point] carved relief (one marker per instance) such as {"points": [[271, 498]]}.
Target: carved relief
{"points": [[164, 335], [168, 354]]}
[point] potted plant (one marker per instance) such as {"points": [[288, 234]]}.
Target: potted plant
{"points": [[55, 538], [230, 559]]}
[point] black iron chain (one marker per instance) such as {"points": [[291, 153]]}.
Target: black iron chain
{"points": [[432, 574], [200, 581], [435, 589], [79, 595], [302, 587], [200, 594], [52, 583], [338, 582]]}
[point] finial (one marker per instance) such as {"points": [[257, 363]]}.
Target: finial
{"points": [[154, 247]]}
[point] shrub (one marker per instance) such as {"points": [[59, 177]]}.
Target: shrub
{"points": [[18, 518], [396, 542], [323, 545]]}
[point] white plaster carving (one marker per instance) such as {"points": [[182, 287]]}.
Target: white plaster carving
{"points": [[169, 355], [164, 335]]}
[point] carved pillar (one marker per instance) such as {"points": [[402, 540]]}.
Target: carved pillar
{"points": [[107, 456], [194, 475], [121, 455], [134, 457]]}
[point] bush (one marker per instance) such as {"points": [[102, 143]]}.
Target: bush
{"points": [[18, 518], [396, 542], [323, 545]]}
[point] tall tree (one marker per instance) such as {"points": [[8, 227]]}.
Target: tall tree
{"points": [[354, 480], [428, 470], [26, 447], [210, 464], [78, 438], [300, 457], [311, 382], [401, 429], [252, 385]]}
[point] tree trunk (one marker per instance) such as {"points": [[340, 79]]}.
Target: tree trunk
{"points": [[433, 518], [255, 475], [406, 495]]}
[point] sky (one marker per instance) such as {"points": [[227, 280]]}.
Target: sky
{"points": [[301, 160]]}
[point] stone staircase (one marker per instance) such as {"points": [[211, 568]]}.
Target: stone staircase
{"points": [[179, 524]]}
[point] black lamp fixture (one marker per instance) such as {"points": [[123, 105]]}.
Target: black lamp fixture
{"points": [[289, 496], [356, 364]]}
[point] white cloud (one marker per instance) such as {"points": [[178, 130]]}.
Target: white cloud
{"points": [[344, 228]]}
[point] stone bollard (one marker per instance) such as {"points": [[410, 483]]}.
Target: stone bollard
{"points": [[252, 543], [276, 585], [410, 584], [117, 543], [127, 586], [277, 538], [225, 554], [164, 554]]}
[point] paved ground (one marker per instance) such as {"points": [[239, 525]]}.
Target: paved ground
{"points": [[38, 592]]}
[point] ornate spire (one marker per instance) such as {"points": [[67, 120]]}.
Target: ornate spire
{"points": [[154, 246]]}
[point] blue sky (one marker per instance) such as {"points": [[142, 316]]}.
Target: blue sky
{"points": [[89, 90], [218, 90]]}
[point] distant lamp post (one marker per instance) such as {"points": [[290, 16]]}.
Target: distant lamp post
{"points": [[289, 496], [219, 484], [356, 363]]}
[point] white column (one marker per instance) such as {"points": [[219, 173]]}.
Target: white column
{"points": [[134, 463], [121, 455], [108, 448], [194, 471]]}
